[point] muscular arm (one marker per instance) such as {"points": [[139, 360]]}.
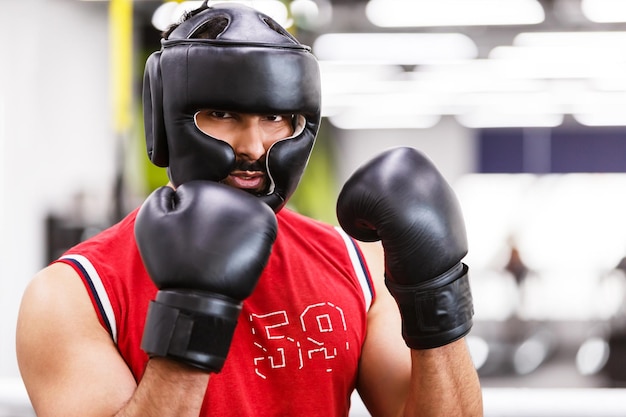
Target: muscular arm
{"points": [[446, 376], [72, 368], [397, 381]]}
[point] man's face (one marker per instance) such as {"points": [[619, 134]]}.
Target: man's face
{"points": [[250, 136]]}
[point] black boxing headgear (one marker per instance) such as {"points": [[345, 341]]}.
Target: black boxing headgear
{"points": [[249, 64]]}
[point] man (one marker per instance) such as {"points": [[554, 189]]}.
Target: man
{"points": [[213, 299]]}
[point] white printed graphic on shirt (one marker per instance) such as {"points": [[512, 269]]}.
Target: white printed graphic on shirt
{"points": [[313, 336]]}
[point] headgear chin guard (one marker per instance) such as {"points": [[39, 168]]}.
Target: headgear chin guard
{"points": [[248, 64]]}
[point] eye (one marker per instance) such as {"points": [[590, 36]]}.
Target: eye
{"points": [[220, 114], [275, 117]]}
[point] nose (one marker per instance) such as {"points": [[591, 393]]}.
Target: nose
{"points": [[249, 142]]}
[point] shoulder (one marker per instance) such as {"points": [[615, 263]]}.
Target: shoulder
{"points": [[56, 293], [54, 306], [56, 281], [58, 301], [60, 344]]}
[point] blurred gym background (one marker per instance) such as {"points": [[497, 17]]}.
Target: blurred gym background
{"points": [[520, 103]]}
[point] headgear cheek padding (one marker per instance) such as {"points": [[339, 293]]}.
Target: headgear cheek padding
{"points": [[286, 157], [248, 65]]}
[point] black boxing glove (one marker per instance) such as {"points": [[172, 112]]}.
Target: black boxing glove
{"points": [[205, 246], [401, 199]]}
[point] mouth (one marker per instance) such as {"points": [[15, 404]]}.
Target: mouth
{"points": [[252, 181]]}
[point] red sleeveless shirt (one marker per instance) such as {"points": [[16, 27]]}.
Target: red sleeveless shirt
{"points": [[297, 345]]}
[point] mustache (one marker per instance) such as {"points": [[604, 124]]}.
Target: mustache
{"points": [[258, 165]]}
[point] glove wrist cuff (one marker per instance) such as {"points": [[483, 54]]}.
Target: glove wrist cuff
{"points": [[191, 327], [437, 313]]}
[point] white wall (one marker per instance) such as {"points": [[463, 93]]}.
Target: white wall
{"points": [[55, 134]]}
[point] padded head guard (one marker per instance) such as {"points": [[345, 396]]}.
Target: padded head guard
{"points": [[248, 64]]}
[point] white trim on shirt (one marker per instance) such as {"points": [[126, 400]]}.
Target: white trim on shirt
{"points": [[359, 268], [100, 292]]}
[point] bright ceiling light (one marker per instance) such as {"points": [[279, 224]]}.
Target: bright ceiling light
{"points": [[610, 117], [338, 78], [310, 14], [612, 80], [507, 109], [572, 54], [576, 47], [171, 12], [564, 55], [416, 13], [394, 48], [600, 109], [391, 111], [362, 119], [600, 39], [602, 51], [167, 14], [474, 76], [551, 59], [486, 119], [604, 11]]}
